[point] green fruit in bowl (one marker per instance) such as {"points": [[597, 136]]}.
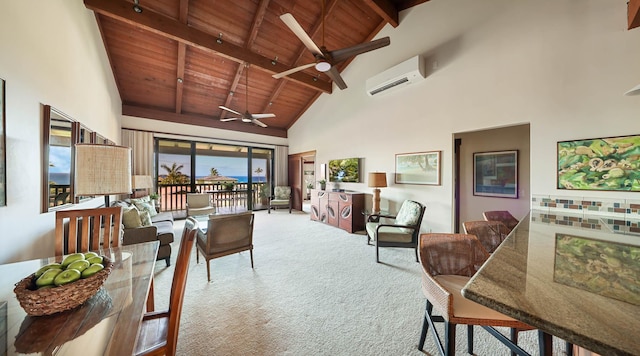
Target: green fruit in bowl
{"points": [[88, 255], [72, 258], [67, 276], [80, 265], [95, 259], [48, 277], [45, 268], [91, 270]]}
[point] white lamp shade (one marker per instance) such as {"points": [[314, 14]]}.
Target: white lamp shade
{"points": [[141, 182], [102, 170], [377, 179]]}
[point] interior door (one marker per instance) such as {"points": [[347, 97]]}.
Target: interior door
{"points": [[295, 181]]}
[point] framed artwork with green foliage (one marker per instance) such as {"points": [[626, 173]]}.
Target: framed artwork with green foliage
{"points": [[611, 163]]}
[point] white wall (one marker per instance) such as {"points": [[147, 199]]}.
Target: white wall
{"points": [[560, 65], [52, 54]]}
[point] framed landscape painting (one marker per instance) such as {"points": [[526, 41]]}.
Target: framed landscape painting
{"points": [[495, 174], [418, 168], [611, 163]]}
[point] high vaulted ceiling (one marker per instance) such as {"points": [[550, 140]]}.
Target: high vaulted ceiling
{"points": [[179, 60]]}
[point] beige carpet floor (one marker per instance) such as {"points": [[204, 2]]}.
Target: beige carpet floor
{"points": [[315, 290]]}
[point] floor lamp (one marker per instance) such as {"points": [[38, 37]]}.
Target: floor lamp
{"points": [[102, 170], [377, 180]]}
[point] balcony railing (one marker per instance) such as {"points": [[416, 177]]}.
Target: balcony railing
{"points": [[173, 197]]}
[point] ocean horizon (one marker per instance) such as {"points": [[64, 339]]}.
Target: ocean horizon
{"points": [[64, 178]]}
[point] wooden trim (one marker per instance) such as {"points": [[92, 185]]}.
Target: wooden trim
{"points": [[633, 13]]}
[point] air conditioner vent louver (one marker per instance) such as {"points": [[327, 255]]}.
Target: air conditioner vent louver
{"points": [[389, 86], [405, 73]]}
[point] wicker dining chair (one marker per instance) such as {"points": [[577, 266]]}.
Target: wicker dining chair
{"points": [[448, 262], [490, 233], [158, 334], [503, 216]]}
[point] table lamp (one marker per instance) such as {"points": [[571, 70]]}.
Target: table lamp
{"points": [[139, 182], [377, 180], [102, 170]]}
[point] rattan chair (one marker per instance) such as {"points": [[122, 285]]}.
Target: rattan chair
{"points": [[448, 262], [490, 233], [503, 216], [158, 333], [226, 234], [103, 229]]}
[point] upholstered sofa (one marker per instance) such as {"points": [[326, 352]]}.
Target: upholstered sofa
{"points": [[158, 226]]}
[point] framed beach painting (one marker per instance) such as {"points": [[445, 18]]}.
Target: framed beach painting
{"points": [[495, 174], [418, 168], [611, 163], [3, 148]]}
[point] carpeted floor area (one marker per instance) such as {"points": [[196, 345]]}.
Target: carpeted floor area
{"points": [[315, 290]]}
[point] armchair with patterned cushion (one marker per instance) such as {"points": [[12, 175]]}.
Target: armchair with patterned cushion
{"points": [[281, 198], [401, 230]]}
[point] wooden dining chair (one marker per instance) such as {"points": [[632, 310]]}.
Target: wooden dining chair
{"points": [[503, 216], [87, 229], [158, 333]]}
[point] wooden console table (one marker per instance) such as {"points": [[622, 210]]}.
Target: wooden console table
{"points": [[339, 209]]}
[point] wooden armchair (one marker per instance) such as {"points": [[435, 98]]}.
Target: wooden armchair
{"points": [[225, 235], [401, 230], [88, 229]]}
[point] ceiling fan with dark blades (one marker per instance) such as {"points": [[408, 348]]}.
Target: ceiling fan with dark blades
{"points": [[325, 59], [247, 116]]}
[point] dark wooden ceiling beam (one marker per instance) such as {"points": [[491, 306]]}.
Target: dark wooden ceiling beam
{"points": [[165, 26], [633, 13], [198, 120], [253, 33], [386, 9], [180, 61]]}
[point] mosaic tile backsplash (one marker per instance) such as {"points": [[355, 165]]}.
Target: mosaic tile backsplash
{"points": [[592, 213]]}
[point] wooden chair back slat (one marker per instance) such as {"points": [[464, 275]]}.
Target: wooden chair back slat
{"points": [[88, 229]]}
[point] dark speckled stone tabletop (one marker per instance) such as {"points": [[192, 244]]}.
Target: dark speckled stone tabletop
{"points": [[579, 284]]}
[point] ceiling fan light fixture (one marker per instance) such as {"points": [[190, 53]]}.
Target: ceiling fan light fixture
{"points": [[323, 66], [246, 119]]}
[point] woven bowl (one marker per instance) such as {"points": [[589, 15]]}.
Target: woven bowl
{"points": [[48, 301]]}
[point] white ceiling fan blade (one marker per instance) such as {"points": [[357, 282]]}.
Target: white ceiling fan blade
{"points": [[295, 27], [229, 110], [335, 76], [292, 70], [229, 119], [262, 116], [258, 122], [344, 53]]}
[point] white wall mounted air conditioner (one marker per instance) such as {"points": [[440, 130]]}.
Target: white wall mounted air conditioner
{"points": [[400, 75]]}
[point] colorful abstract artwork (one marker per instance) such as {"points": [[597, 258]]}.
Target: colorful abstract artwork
{"points": [[600, 164]]}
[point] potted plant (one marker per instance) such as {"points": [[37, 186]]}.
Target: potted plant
{"points": [[228, 185], [323, 184], [264, 194]]}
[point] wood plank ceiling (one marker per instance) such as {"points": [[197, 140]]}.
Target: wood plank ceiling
{"points": [[179, 60]]}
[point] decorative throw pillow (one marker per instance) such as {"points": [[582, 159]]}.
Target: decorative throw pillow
{"points": [[146, 206], [145, 218], [131, 217], [408, 215]]}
